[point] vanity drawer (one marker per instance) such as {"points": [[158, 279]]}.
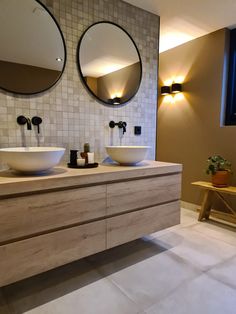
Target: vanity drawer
{"points": [[32, 256], [142, 193], [32, 214], [131, 226]]}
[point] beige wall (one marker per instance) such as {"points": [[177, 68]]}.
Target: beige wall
{"points": [[26, 78], [189, 129]]}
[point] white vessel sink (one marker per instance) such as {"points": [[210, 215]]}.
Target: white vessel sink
{"points": [[127, 155], [31, 159]]}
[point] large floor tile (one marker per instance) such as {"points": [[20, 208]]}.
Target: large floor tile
{"points": [[217, 231], [159, 274], [100, 297], [148, 279], [188, 217], [202, 295], [72, 289], [225, 272], [196, 248]]}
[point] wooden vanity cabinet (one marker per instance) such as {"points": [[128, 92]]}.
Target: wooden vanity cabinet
{"points": [[41, 230], [28, 215]]}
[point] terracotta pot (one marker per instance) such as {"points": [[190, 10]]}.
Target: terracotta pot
{"points": [[220, 179]]}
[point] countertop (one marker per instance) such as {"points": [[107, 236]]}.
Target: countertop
{"points": [[62, 177]]}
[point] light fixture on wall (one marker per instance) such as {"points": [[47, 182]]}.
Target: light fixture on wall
{"points": [[176, 88], [165, 90], [115, 101]]}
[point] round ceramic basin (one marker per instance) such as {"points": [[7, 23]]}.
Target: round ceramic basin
{"points": [[31, 159], [127, 155]]}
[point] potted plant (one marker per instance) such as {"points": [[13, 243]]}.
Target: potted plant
{"points": [[220, 170]]}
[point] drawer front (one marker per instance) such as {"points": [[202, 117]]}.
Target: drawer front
{"points": [[27, 215], [131, 226], [26, 258], [143, 193]]}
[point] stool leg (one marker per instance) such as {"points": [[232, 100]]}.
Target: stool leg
{"points": [[206, 205]]}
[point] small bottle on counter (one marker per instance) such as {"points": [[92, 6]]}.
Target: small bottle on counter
{"points": [[73, 157], [90, 158], [84, 154], [81, 162], [86, 148], [87, 155]]}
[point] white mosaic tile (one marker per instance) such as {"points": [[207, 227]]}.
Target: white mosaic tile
{"points": [[71, 116]]}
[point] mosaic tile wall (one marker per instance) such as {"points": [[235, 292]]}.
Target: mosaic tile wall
{"points": [[70, 115]]}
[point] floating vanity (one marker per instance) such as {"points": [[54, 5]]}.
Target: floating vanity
{"points": [[48, 221]]}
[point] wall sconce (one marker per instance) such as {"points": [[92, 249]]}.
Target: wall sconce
{"points": [[176, 88], [115, 101], [165, 90]]}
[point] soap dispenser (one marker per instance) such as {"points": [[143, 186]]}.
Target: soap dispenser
{"points": [[73, 157]]}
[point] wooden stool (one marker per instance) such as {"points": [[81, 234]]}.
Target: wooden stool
{"points": [[210, 193]]}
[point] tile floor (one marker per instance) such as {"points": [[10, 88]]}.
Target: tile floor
{"points": [[186, 269]]}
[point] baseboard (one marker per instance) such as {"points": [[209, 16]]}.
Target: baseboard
{"points": [[190, 206]]}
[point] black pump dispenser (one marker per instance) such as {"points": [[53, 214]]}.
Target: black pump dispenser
{"points": [[73, 157]]}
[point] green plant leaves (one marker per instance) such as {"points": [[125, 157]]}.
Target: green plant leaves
{"points": [[217, 163]]}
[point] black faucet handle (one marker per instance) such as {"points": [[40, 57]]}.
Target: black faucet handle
{"points": [[37, 121], [112, 124], [120, 124], [22, 120]]}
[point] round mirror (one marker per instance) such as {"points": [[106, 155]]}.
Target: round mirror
{"points": [[33, 52], [109, 63]]}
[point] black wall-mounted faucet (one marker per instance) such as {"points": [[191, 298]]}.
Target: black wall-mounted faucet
{"points": [[37, 121], [120, 124], [22, 120]]}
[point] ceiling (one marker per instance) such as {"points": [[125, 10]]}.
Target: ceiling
{"points": [[28, 35], [106, 48], [184, 20]]}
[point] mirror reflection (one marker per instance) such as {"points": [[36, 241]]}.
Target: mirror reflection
{"points": [[109, 63], [32, 54]]}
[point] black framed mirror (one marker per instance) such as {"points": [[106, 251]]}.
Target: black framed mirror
{"points": [[33, 50], [109, 63]]}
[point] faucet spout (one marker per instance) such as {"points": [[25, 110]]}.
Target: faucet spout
{"points": [[122, 125], [29, 126]]}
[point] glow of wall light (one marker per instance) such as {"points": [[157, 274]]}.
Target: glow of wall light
{"points": [[117, 94], [179, 79], [168, 82], [168, 99], [178, 97], [173, 39]]}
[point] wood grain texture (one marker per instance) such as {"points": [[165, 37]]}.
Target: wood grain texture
{"points": [[206, 205], [32, 222], [208, 185], [223, 216], [131, 226], [131, 195], [25, 258], [24, 216], [61, 177]]}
